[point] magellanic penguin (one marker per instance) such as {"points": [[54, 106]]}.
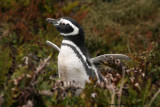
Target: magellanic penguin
{"points": [[73, 60]]}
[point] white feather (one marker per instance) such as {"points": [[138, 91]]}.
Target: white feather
{"points": [[70, 67], [79, 51], [84, 58]]}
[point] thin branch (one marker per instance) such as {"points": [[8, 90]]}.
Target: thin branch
{"points": [[129, 49], [153, 98], [112, 92], [1, 100], [41, 66], [121, 87], [38, 69]]}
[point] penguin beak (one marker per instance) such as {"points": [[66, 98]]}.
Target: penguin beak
{"points": [[53, 21]]}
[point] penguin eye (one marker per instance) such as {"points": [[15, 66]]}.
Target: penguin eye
{"points": [[63, 24]]}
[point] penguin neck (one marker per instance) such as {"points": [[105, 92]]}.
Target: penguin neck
{"points": [[78, 39]]}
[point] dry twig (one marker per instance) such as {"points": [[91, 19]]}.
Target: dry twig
{"points": [[38, 69], [121, 87], [153, 98]]}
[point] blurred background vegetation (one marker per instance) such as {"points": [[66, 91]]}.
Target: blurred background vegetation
{"points": [[130, 27]]}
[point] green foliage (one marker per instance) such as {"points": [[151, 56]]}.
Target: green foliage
{"points": [[5, 64]]}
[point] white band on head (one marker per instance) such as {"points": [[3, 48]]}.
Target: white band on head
{"points": [[75, 29]]}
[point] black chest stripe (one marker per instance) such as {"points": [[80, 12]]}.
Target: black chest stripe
{"points": [[89, 71]]}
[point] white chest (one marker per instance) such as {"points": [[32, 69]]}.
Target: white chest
{"points": [[70, 66]]}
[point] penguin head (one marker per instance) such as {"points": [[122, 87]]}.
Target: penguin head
{"points": [[66, 26]]}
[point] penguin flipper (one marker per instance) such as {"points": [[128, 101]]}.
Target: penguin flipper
{"points": [[98, 58], [103, 58], [49, 43]]}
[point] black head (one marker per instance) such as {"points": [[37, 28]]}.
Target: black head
{"points": [[66, 26]]}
